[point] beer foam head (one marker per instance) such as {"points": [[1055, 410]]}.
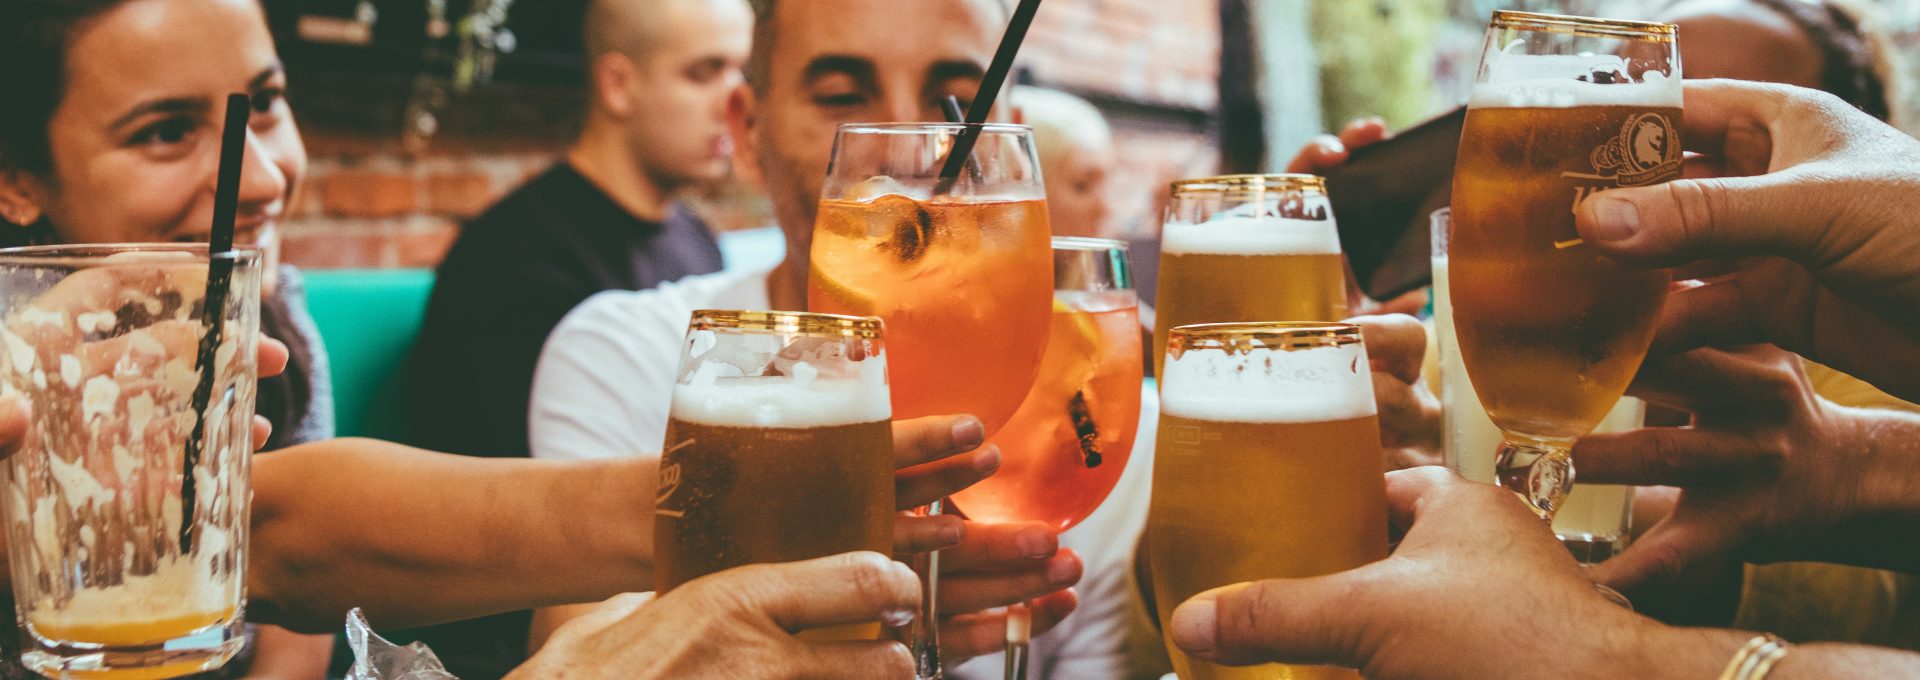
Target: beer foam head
{"points": [[1553, 81], [1269, 385], [716, 394], [1240, 235]]}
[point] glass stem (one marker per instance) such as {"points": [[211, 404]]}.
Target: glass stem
{"points": [[1019, 633], [1541, 473], [926, 628]]}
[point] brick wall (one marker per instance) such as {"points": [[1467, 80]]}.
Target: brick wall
{"points": [[368, 202]]}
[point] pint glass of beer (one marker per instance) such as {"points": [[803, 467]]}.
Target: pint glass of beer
{"points": [[1268, 466], [1248, 248], [778, 446], [1551, 331]]}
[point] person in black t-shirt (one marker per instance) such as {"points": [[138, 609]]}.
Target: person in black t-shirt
{"points": [[603, 218]]}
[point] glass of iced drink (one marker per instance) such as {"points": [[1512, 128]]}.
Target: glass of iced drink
{"points": [[128, 499], [960, 268]]}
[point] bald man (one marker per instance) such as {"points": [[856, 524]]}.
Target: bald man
{"points": [[602, 218]]}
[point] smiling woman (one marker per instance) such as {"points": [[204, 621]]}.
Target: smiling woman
{"points": [[111, 134]]}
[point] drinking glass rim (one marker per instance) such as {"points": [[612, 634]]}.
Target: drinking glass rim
{"points": [[1281, 335], [1587, 27], [771, 321], [1244, 184], [98, 254], [910, 128], [1088, 244]]}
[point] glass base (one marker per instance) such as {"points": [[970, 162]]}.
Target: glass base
{"points": [[1590, 549], [1542, 474], [203, 650]]}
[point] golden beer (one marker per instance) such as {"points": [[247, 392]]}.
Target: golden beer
{"points": [[1268, 466], [1552, 331], [779, 447], [1248, 248]]}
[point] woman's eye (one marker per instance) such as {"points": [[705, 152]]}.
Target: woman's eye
{"points": [[264, 101], [166, 132]]}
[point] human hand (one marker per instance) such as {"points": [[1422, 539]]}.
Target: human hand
{"points": [[1478, 588], [1813, 231], [740, 624], [985, 566], [1325, 152], [1768, 471], [1409, 413]]}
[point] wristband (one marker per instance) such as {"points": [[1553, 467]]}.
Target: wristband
{"points": [[1756, 658]]}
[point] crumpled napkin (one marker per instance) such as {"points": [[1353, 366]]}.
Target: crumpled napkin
{"points": [[374, 658]]}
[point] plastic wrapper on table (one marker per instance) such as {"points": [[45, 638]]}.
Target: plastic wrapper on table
{"points": [[374, 658]]}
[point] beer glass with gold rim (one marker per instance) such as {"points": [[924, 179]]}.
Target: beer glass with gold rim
{"points": [[1268, 466], [1551, 332], [1248, 248], [779, 446]]}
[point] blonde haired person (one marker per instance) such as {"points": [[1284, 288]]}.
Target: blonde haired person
{"points": [[1076, 149]]}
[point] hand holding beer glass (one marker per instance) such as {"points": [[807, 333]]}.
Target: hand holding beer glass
{"points": [[1551, 331], [779, 447], [1268, 466], [128, 556]]}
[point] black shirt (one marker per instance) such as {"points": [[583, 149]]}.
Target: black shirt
{"points": [[507, 281]]}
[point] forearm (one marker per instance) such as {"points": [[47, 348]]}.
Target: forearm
{"points": [[415, 537], [1883, 529]]}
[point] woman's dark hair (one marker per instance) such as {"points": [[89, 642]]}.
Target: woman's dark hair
{"points": [[33, 45], [1850, 68], [34, 35]]}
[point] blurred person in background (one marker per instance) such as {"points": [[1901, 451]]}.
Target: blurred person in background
{"points": [[1076, 151], [604, 217], [111, 134]]}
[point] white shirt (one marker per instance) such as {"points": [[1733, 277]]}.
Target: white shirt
{"points": [[605, 380]]}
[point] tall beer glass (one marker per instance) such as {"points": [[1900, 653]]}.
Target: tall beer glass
{"points": [[1596, 520], [1248, 248], [959, 269], [778, 446], [1550, 331], [127, 503], [1268, 466]]}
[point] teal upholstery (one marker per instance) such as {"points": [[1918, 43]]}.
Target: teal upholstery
{"points": [[368, 319]]}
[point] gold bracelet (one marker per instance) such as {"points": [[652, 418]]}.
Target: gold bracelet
{"points": [[1756, 658]]}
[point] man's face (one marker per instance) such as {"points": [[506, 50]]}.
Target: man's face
{"points": [[678, 128], [857, 61]]}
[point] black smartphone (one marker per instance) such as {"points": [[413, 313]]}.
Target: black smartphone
{"points": [[1382, 197]]}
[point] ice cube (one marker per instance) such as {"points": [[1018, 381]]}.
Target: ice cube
{"points": [[875, 187]]}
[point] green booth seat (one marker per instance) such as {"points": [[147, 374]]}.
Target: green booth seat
{"points": [[368, 319]]}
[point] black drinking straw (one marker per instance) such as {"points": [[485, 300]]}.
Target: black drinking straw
{"points": [[226, 204], [989, 89], [951, 105]]}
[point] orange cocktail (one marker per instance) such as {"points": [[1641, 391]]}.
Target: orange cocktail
{"points": [[1064, 450], [959, 270]]}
